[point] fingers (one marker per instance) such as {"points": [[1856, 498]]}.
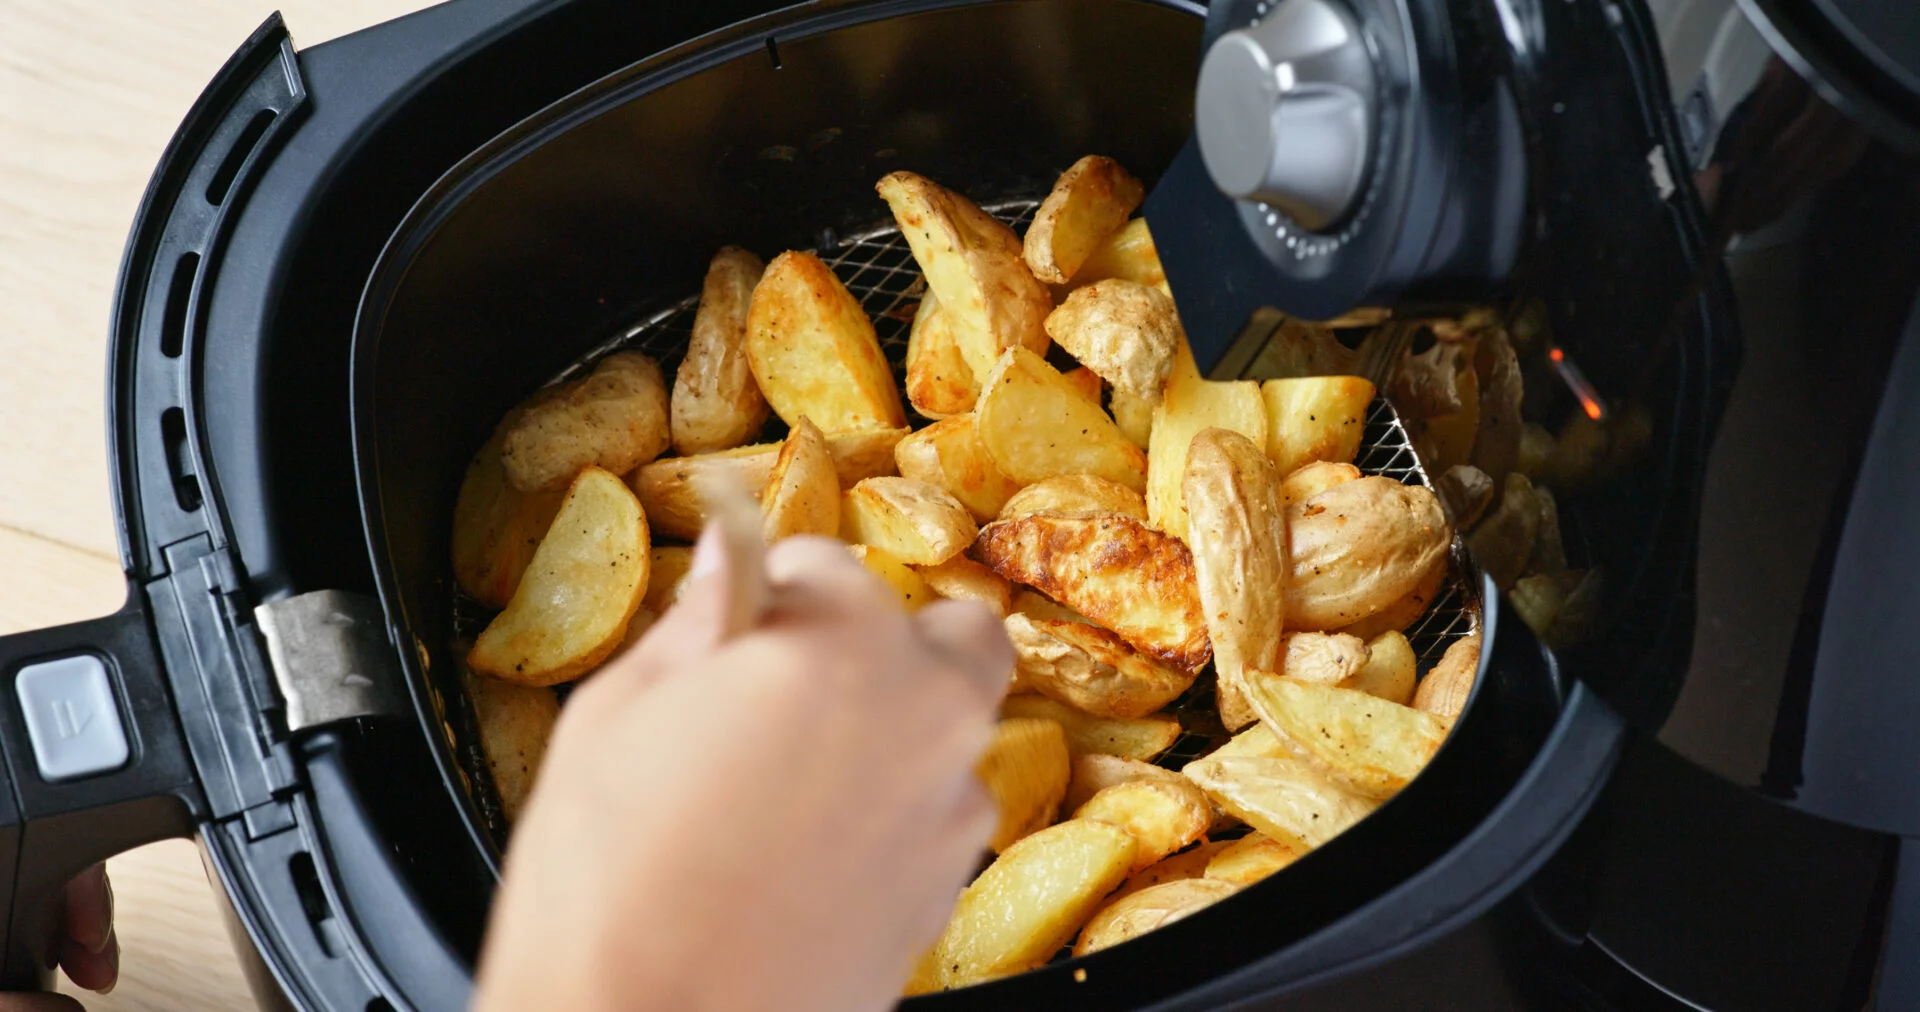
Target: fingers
{"points": [[93, 970], [973, 640], [42, 1001], [88, 918], [690, 631]]}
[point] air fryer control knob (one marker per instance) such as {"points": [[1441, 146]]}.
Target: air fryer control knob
{"points": [[1284, 112]]}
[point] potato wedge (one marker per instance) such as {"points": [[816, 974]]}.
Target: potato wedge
{"points": [[1190, 405], [1237, 526], [1372, 746], [1025, 772], [1299, 348], [1123, 331], [1091, 669], [1323, 658], [1496, 445], [1090, 201], [1502, 543], [716, 403], [1188, 864], [1444, 691], [1250, 859], [914, 592], [1311, 479], [916, 521], [1134, 739], [1113, 569], [1093, 772], [802, 494], [613, 418], [1284, 798], [667, 576], [1087, 382], [1128, 253], [1315, 418], [586, 580], [515, 722], [1359, 547], [1405, 611], [1136, 914], [496, 527], [1445, 441], [962, 579], [1027, 904], [1390, 671], [1036, 605], [1258, 741], [1134, 416], [949, 454], [939, 381], [668, 488], [1075, 493], [1035, 425], [974, 266], [1164, 815], [813, 350]]}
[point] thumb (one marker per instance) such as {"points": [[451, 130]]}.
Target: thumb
{"points": [[698, 622]]}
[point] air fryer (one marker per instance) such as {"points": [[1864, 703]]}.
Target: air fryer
{"points": [[354, 258]]}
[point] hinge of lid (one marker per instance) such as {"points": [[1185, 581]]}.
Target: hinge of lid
{"points": [[331, 657]]}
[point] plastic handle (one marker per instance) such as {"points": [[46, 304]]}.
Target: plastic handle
{"points": [[53, 827]]}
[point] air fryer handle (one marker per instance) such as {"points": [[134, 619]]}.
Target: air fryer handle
{"points": [[94, 765]]}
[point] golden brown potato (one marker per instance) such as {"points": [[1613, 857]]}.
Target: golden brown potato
{"points": [[916, 521], [975, 266], [1135, 914], [1250, 859], [1027, 904], [1190, 405], [803, 493], [1134, 739], [1258, 741], [1372, 746], [1087, 382], [1075, 493], [1090, 201], [1093, 772], [716, 403], [1036, 605], [614, 418], [1404, 612], [1322, 658], [1091, 669], [1390, 671], [962, 579], [1123, 331], [813, 350], [496, 527], [1163, 815], [667, 576], [914, 592], [1113, 569], [1316, 418], [939, 381], [1134, 416], [586, 580], [1444, 691], [1128, 253], [1299, 348], [1284, 798], [1188, 864], [1311, 479], [1237, 526], [1358, 547], [1035, 425], [1025, 772], [668, 489], [949, 454], [515, 722]]}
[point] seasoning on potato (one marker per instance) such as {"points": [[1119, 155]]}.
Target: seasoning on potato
{"points": [[802, 494], [1089, 202], [1123, 331], [615, 418], [813, 350], [1091, 669], [1237, 526], [716, 403], [940, 384], [496, 527], [1035, 425]]}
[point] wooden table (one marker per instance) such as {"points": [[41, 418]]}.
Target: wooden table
{"points": [[90, 92]]}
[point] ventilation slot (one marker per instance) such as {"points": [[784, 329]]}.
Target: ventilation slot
{"points": [[222, 182], [313, 900], [186, 487], [173, 326]]}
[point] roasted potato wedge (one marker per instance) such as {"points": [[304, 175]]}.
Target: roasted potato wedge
{"points": [[1134, 739], [1502, 543], [1299, 348], [813, 350], [975, 267], [1019, 912], [1372, 746], [1075, 493], [1128, 253], [962, 579], [1025, 772], [1309, 480], [1285, 798], [1035, 425], [1123, 331], [668, 489], [914, 592], [515, 722], [949, 454], [1093, 772], [1087, 382], [803, 493], [1250, 859], [1237, 526], [1190, 405], [1315, 418], [1258, 741], [1164, 815], [1090, 201], [586, 580], [1113, 569], [1091, 669], [1390, 672], [1036, 605], [1135, 914], [939, 381], [496, 527], [1188, 864], [716, 403], [1404, 612], [614, 418], [1134, 416], [1323, 658], [916, 521], [1444, 691], [1359, 547], [667, 576]]}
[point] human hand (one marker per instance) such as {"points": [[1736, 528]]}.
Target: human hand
{"points": [[85, 947], [779, 820]]}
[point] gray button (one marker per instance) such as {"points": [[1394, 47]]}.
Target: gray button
{"points": [[71, 717]]}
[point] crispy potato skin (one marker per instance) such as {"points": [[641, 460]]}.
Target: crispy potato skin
{"points": [[1091, 669], [1250, 859], [1315, 418], [1323, 658], [1121, 330], [813, 350], [949, 454], [1237, 526], [1134, 416], [1407, 610], [515, 722], [1036, 425], [1025, 771], [1163, 814], [1285, 798], [614, 418], [962, 579], [1370, 745], [1358, 547], [1154, 907], [802, 494], [1113, 569], [716, 402], [1075, 493], [1444, 691], [939, 381], [1188, 864], [1090, 201], [668, 488], [1311, 479], [496, 527], [1141, 739], [916, 521]]}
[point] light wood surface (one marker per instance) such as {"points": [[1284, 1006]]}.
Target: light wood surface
{"points": [[90, 92]]}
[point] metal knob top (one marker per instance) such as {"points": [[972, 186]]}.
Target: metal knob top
{"points": [[1284, 112]]}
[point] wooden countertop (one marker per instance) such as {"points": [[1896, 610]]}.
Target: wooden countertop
{"points": [[90, 92]]}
